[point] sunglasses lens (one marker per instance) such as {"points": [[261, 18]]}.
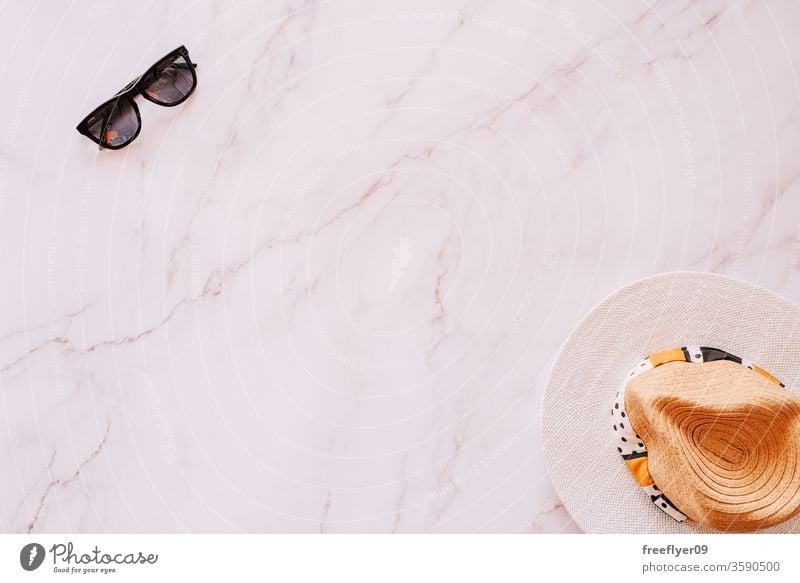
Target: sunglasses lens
{"points": [[170, 81], [114, 125]]}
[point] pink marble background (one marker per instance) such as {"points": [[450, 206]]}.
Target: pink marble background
{"points": [[323, 295]]}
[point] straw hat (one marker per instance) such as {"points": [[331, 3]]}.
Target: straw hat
{"points": [[699, 438]]}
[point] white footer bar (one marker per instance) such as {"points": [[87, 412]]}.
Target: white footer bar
{"points": [[401, 558]]}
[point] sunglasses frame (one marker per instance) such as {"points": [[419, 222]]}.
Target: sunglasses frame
{"points": [[129, 92]]}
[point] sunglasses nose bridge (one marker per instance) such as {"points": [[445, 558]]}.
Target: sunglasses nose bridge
{"points": [[129, 86]]}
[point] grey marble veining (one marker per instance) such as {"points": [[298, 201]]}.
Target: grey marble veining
{"points": [[324, 293]]}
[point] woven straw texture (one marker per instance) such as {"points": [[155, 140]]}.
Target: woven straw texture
{"points": [[722, 442], [672, 309]]}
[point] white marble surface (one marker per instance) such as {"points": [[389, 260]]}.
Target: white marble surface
{"points": [[324, 293]]}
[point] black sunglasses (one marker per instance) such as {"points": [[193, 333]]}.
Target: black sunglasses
{"points": [[117, 122]]}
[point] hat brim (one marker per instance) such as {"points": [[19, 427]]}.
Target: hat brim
{"points": [[672, 309]]}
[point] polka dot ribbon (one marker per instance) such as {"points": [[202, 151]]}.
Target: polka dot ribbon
{"points": [[629, 444]]}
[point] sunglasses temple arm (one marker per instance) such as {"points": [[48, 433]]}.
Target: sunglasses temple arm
{"points": [[105, 128]]}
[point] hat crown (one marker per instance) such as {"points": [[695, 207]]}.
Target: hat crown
{"points": [[722, 441]]}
